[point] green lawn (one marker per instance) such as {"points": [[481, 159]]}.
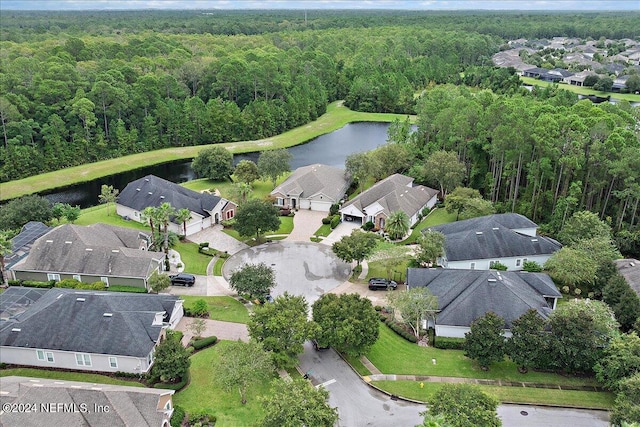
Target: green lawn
{"points": [[221, 308], [217, 267], [398, 273], [107, 215], [194, 262], [581, 90], [392, 354], [336, 117], [324, 230], [286, 226], [205, 393], [357, 365], [436, 217], [67, 376], [585, 399], [261, 189]]}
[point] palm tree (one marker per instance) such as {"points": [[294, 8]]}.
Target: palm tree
{"points": [[165, 211], [182, 216], [397, 225], [150, 215], [243, 189], [5, 249]]}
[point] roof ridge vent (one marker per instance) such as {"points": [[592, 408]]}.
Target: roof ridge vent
{"points": [[478, 233], [49, 241], [68, 242], [16, 330], [534, 240], [115, 251], [80, 299], [162, 197], [146, 179], [149, 193], [88, 249], [137, 189], [496, 228], [107, 315]]}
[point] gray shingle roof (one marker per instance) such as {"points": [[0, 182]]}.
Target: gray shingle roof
{"points": [[395, 193], [21, 243], [493, 236], [97, 249], [466, 295], [630, 270], [128, 406], [153, 191], [311, 180], [59, 321]]}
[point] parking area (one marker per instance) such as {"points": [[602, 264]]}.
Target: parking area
{"points": [[218, 239]]}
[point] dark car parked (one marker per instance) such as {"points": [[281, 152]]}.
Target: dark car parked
{"points": [[183, 279], [377, 283]]}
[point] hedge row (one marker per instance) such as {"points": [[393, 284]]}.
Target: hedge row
{"points": [[204, 342], [398, 329], [177, 386], [74, 284], [32, 283], [446, 343], [178, 416], [123, 288]]}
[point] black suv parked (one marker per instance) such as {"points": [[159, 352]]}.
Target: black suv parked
{"points": [[183, 279], [377, 283]]}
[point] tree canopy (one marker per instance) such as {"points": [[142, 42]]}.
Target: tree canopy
{"points": [[485, 342], [464, 405], [355, 247], [255, 217], [243, 364], [348, 323], [415, 305], [215, 163], [274, 163], [253, 279]]}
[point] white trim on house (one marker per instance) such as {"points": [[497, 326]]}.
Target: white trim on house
{"points": [[484, 264]]}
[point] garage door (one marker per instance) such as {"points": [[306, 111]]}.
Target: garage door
{"points": [[320, 206]]}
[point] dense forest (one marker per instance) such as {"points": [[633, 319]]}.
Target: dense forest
{"points": [[83, 86]]}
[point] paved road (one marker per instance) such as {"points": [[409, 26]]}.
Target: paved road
{"points": [[556, 417], [360, 405]]}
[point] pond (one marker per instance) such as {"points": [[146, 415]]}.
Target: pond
{"points": [[331, 149]]}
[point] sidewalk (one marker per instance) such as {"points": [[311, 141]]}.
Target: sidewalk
{"points": [[376, 375]]}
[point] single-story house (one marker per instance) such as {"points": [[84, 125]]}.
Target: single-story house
{"points": [[84, 330], [73, 403], [535, 72], [556, 75], [466, 295], [630, 270], [94, 253], [206, 209], [620, 83], [394, 193], [578, 78], [478, 243], [315, 187]]}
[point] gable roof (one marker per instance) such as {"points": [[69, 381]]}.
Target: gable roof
{"points": [[67, 319], [466, 295], [21, 243], [630, 270], [308, 181], [97, 249], [128, 406], [394, 193], [154, 191], [493, 236]]}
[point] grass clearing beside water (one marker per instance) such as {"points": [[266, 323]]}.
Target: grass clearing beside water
{"points": [[581, 90], [336, 117]]}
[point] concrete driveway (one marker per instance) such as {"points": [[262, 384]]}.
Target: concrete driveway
{"points": [[218, 239], [223, 330], [307, 269], [343, 229], [305, 223]]}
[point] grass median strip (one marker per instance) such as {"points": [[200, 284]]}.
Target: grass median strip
{"points": [[582, 399]]}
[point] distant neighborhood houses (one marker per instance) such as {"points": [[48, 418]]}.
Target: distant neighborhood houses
{"points": [[84, 330], [152, 191], [581, 59]]}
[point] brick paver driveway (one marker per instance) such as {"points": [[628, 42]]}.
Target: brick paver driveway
{"points": [[223, 330]]}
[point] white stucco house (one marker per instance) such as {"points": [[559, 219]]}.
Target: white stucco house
{"points": [[84, 330], [466, 295], [206, 209], [315, 187], [510, 239], [394, 193]]}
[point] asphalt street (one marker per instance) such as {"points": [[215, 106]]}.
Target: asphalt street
{"points": [[360, 405]]}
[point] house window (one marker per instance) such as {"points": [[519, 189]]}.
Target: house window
{"points": [[53, 276], [150, 358], [105, 280], [518, 262], [280, 201], [45, 355], [83, 359], [230, 214], [493, 263], [472, 266], [77, 277], [113, 362], [40, 354], [524, 260]]}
